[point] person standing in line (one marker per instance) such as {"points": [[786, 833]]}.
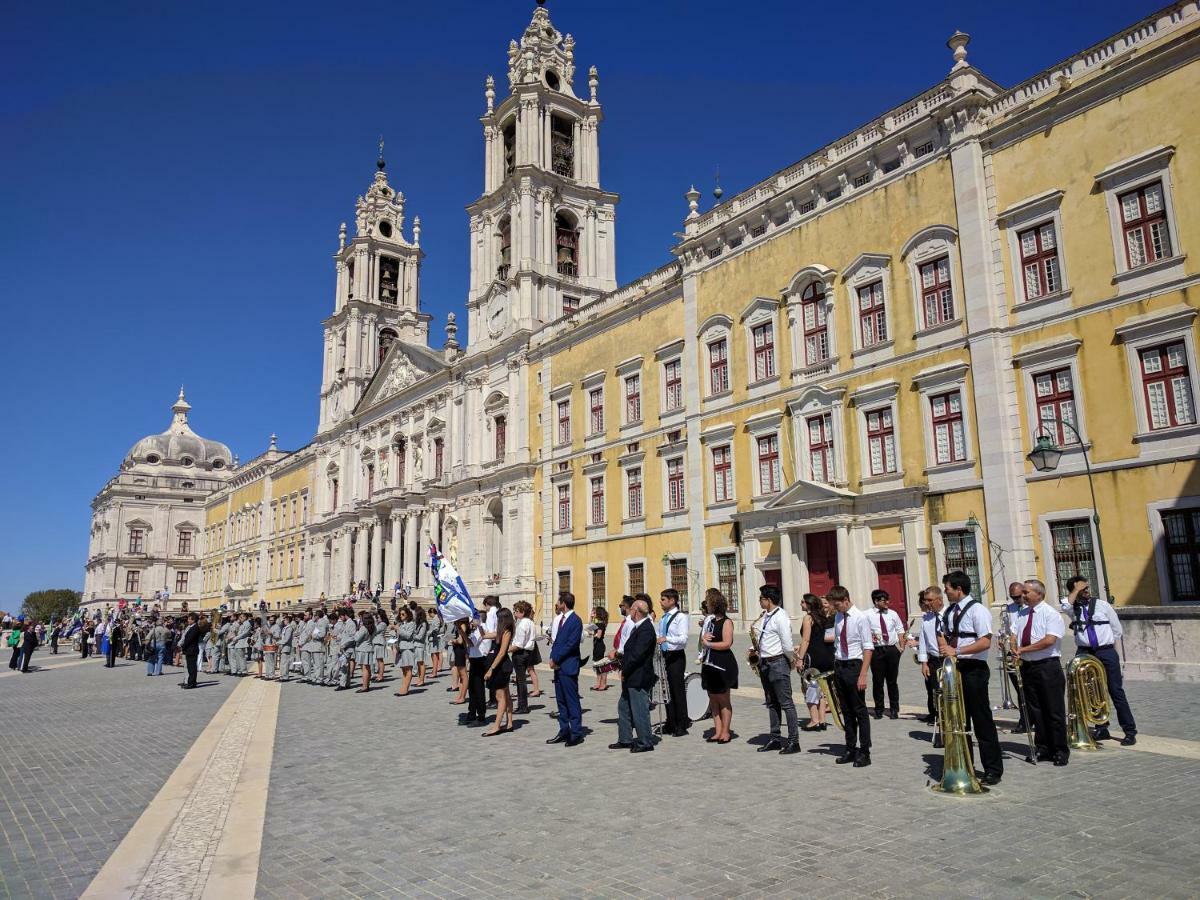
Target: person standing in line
{"points": [[599, 625], [928, 652], [363, 647], [406, 648], [437, 642], [189, 644], [55, 634], [967, 635], [853, 645], [565, 662], [523, 642], [260, 636], [477, 664], [270, 649], [15, 637], [816, 652], [672, 640], [776, 648], [499, 673], [639, 643], [315, 647], [421, 644], [458, 662], [287, 634], [379, 646], [719, 674], [115, 631], [1039, 630], [29, 643], [1096, 628], [241, 645], [1012, 609], [158, 648], [890, 638]]}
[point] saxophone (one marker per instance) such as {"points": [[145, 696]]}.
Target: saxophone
{"points": [[752, 653]]}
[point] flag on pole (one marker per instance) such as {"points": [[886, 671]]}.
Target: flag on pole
{"points": [[453, 598]]}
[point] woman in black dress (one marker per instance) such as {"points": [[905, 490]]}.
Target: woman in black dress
{"points": [[719, 674], [816, 651], [499, 673], [599, 626]]}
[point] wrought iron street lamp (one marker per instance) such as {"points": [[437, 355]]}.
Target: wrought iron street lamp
{"points": [[1045, 457]]}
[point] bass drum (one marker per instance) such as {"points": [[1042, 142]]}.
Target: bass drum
{"points": [[697, 698]]}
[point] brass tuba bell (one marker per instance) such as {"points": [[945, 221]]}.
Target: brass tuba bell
{"points": [[824, 680], [1087, 700], [958, 769]]}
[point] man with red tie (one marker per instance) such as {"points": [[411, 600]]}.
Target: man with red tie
{"points": [[1039, 631], [890, 639], [565, 661], [853, 646]]}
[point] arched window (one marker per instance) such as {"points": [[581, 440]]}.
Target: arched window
{"points": [[503, 268], [562, 146], [387, 337], [566, 243], [510, 147], [400, 449]]}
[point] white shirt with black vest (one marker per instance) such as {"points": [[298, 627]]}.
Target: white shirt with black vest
{"points": [[852, 635], [774, 632], [970, 621], [1035, 623], [1102, 618]]}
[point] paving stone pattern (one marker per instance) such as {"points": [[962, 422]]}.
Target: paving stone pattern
{"points": [[83, 750]]}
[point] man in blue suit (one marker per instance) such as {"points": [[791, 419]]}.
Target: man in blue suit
{"points": [[564, 660]]}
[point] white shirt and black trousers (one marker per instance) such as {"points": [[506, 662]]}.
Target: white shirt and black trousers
{"points": [[1097, 628], [930, 653], [775, 648], [1042, 676], [963, 624], [885, 661], [674, 627], [851, 639]]}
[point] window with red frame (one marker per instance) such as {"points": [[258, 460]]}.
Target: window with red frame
{"points": [[881, 441], [1144, 224], [814, 314], [596, 406], [633, 398], [1039, 261], [1168, 386], [598, 500], [764, 351], [564, 507], [949, 440], [820, 447], [722, 460], [768, 464], [675, 493], [564, 421], [937, 295], [872, 317], [673, 377], [633, 490], [718, 367], [439, 454], [181, 582], [501, 436], [1054, 393]]}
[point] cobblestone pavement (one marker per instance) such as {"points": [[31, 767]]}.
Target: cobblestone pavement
{"points": [[83, 750]]}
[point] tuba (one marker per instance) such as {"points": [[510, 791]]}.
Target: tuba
{"points": [[958, 769], [824, 680], [1087, 700]]}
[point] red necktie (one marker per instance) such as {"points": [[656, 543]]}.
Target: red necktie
{"points": [[883, 627], [1025, 635], [845, 644]]}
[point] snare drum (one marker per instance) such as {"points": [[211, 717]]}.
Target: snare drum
{"points": [[270, 648], [696, 697]]}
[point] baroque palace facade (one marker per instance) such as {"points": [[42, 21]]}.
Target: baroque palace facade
{"points": [[837, 379]]}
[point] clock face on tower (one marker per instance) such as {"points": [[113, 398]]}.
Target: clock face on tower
{"points": [[497, 314]]}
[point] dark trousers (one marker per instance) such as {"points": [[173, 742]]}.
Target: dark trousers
{"points": [[885, 668], [520, 669], [1045, 690], [476, 689], [26, 656], [84, 647], [1116, 685], [854, 705], [15, 660], [570, 710], [54, 646], [776, 678], [931, 683], [974, 675], [111, 656], [190, 659], [677, 717]]}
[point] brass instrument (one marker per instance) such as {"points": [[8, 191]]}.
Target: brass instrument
{"points": [[1087, 700], [824, 680], [752, 654], [958, 769], [660, 694], [1010, 663]]}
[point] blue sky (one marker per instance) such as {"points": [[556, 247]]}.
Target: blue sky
{"points": [[174, 175]]}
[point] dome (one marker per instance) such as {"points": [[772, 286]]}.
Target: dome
{"points": [[180, 446]]}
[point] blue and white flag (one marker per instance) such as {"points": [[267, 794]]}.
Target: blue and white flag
{"points": [[453, 598]]}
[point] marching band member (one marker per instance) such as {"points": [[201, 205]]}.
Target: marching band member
{"points": [[1039, 631], [241, 645], [362, 645], [966, 635], [637, 678], [773, 632], [720, 673], [315, 647], [379, 647], [271, 639], [287, 635], [673, 640], [929, 654], [1012, 609], [890, 639], [1096, 628], [853, 646]]}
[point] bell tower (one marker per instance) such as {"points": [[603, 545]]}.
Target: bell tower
{"points": [[542, 233], [377, 297]]}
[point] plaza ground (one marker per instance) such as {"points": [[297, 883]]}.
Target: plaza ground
{"points": [[116, 784]]}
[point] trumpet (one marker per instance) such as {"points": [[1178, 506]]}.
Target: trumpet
{"points": [[958, 770], [1087, 700], [824, 680]]}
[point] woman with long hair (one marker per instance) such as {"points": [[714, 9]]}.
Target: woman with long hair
{"points": [[816, 653], [406, 648], [421, 642], [364, 649], [500, 671], [379, 643], [720, 672], [437, 639], [599, 625]]}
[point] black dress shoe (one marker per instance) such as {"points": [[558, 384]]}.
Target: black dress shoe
{"points": [[862, 760], [846, 758], [619, 746], [558, 739], [989, 779], [1102, 734], [773, 744], [574, 742], [793, 747], [638, 748], [1129, 740], [893, 714], [682, 732], [1019, 727], [1044, 756], [521, 711], [1062, 759], [878, 714]]}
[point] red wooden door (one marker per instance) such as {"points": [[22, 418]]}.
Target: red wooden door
{"points": [[773, 577], [891, 579], [821, 553]]}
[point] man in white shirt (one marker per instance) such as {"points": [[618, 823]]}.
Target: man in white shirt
{"points": [[477, 663], [672, 640], [622, 631], [887, 631], [1037, 643], [1097, 629], [853, 647], [773, 632], [967, 635], [928, 652]]}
